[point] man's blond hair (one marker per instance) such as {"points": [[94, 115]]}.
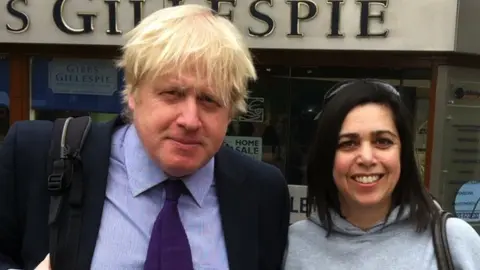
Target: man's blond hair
{"points": [[181, 39]]}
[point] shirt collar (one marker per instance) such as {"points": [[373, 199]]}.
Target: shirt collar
{"points": [[143, 174]]}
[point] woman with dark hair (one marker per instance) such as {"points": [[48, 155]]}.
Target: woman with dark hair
{"points": [[368, 207]]}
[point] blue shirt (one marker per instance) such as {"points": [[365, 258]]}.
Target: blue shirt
{"points": [[135, 196]]}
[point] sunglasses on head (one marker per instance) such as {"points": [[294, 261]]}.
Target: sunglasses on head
{"points": [[336, 88]]}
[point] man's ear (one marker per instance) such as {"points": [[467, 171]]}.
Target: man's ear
{"points": [[131, 102]]}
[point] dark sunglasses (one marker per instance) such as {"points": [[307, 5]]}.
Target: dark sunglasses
{"points": [[336, 88]]}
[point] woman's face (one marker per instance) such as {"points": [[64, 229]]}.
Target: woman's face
{"points": [[367, 160]]}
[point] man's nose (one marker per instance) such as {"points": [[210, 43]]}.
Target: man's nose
{"points": [[189, 114]]}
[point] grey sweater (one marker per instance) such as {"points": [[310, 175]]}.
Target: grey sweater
{"points": [[398, 246]]}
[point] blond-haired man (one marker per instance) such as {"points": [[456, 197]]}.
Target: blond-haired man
{"points": [[161, 192]]}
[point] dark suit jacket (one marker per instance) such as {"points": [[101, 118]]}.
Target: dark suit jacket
{"points": [[253, 198]]}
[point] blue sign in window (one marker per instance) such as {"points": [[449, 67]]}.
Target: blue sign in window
{"points": [[4, 81], [92, 85]]}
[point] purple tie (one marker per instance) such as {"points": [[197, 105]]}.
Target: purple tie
{"points": [[169, 248]]}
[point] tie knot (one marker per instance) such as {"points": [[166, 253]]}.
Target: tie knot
{"points": [[173, 189]]}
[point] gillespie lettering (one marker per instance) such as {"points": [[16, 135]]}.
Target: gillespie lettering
{"points": [[83, 74], [299, 11]]}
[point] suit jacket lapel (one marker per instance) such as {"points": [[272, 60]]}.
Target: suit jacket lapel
{"points": [[95, 157], [238, 210]]}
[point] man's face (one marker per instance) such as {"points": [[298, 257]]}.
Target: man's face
{"points": [[180, 121]]}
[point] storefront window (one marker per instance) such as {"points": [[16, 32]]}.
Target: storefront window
{"points": [[279, 126], [75, 87], [289, 99], [4, 96], [461, 158], [455, 161], [263, 131]]}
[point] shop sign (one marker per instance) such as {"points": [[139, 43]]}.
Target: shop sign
{"points": [[298, 202], [82, 77], [91, 85], [290, 24], [298, 11], [255, 111], [251, 146], [467, 202]]}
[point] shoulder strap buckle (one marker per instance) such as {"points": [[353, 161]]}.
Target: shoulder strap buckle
{"points": [[55, 179]]}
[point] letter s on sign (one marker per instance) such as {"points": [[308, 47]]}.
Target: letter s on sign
{"points": [[19, 15]]}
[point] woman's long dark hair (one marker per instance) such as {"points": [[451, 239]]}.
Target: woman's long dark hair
{"points": [[339, 101]]}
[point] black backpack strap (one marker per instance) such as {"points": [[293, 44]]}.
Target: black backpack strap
{"points": [[440, 240], [65, 185]]}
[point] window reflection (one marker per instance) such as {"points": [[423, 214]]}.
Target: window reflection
{"points": [[4, 96], [267, 120], [307, 97], [293, 97]]}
